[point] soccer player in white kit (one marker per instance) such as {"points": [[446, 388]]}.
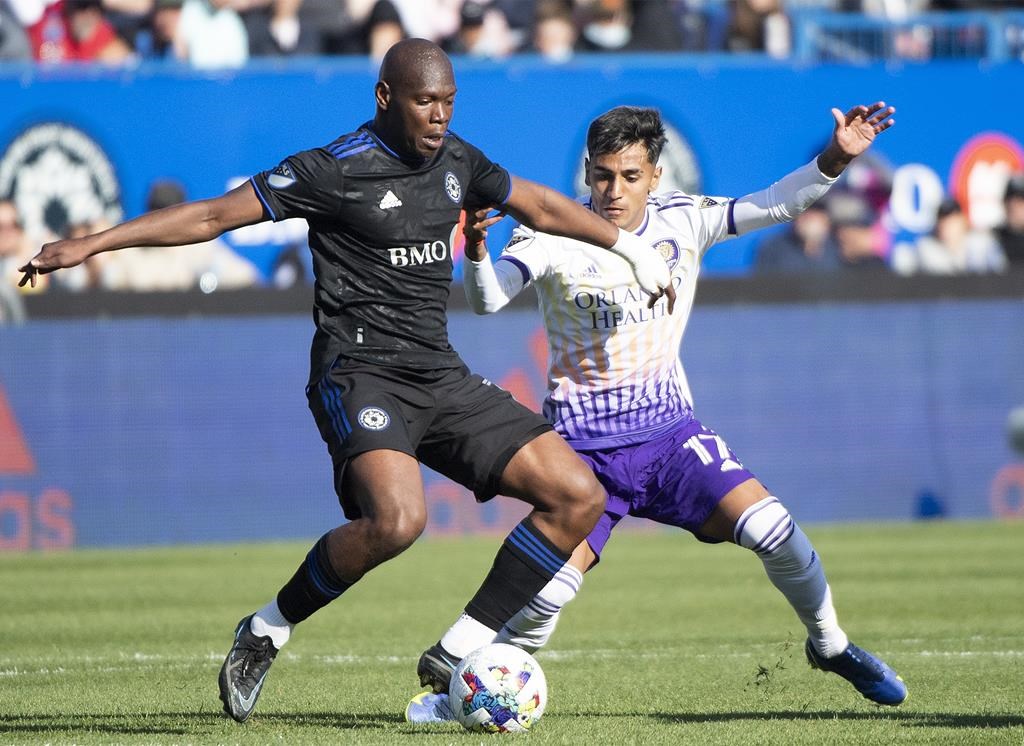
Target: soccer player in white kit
{"points": [[618, 394]]}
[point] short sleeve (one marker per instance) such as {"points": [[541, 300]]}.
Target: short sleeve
{"points": [[490, 185], [529, 252], [302, 185], [714, 220]]}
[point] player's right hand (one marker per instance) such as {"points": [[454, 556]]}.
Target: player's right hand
{"points": [[649, 268], [53, 256]]}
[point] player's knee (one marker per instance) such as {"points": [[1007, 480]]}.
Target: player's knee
{"points": [[398, 529], [584, 498]]}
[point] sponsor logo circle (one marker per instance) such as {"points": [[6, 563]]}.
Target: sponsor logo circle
{"points": [[59, 177], [373, 418], [453, 187]]}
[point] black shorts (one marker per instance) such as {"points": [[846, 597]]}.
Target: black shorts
{"points": [[453, 421]]}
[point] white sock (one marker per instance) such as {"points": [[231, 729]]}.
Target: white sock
{"points": [[269, 622], [533, 625], [466, 635], [794, 568]]}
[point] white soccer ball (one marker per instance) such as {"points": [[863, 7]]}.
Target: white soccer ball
{"points": [[498, 689]]}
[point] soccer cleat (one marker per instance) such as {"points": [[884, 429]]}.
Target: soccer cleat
{"points": [[427, 707], [243, 672], [869, 675], [435, 668]]}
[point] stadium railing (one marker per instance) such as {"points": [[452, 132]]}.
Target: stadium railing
{"points": [[854, 38]]}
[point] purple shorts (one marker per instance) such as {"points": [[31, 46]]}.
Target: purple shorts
{"points": [[677, 479]]}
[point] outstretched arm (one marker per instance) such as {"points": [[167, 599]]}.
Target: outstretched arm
{"points": [[187, 223], [852, 134], [545, 210]]}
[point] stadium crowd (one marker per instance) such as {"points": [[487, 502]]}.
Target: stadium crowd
{"points": [[851, 231], [227, 33]]}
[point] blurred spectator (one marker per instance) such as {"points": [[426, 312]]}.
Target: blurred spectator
{"points": [[384, 29], [210, 266], [758, 26], [893, 10], [14, 44], [14, 251], [203, 33], [520, 15], [953, 248], [329, 27], [131, 20], [166, 18], [75, 31], [870, 178], [91, 37], [655, 27], [606, 26], [1010, 234], [554, 31], [483, 32], [429, 19], [806, 245], [854, 224]]}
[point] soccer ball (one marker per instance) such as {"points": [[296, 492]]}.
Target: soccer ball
{"points": [[498, 689]]}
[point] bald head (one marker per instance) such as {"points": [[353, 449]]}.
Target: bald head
{"points": [[411, 63], [415, 96]]}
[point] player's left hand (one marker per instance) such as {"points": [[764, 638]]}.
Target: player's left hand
{"points": [[857, 129], [853, 134]]}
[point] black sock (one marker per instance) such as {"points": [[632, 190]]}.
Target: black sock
{"points": [[313, 586], [525, 563]]}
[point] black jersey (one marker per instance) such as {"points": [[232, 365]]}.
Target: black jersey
{"points": [[381, 229]]}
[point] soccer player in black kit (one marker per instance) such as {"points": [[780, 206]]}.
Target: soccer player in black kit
{"points": [[386, 389]]}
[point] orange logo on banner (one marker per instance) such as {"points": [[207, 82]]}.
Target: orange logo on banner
{"points": [[979, 176], [15, 457]]}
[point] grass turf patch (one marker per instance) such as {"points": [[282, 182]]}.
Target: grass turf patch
{"points": [[670, 641]]}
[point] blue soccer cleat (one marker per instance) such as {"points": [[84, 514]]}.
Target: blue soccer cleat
{"points": [[869, 675], [427, 707]]}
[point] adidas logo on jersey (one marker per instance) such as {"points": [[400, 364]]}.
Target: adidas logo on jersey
{"points": [[389, 201]]}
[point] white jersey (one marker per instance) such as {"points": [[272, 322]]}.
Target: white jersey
{"points": [[614, 375]]}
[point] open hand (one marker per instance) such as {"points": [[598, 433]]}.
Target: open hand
{"points": [[853, 134]]}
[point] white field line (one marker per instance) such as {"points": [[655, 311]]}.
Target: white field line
{"points": [[142, 662]]}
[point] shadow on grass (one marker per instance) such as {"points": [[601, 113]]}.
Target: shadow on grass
{"points": [[904, 717], [196, 723], [186, 723]]}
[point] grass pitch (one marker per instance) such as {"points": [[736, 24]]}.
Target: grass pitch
{"points": [[670, 642]]}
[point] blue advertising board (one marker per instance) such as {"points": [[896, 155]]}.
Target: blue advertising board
{"points": [[157, 431], [736, 126]]}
